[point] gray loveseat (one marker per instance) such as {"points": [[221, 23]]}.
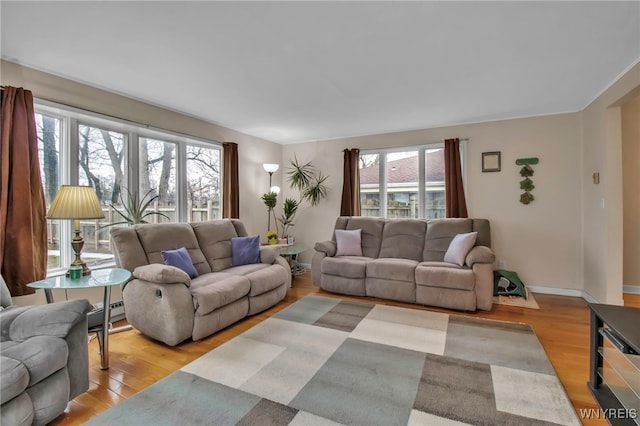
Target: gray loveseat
{"points": [[164, 303], [44, 360], [403, 260]]}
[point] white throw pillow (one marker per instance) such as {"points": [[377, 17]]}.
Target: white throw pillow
{"points": [[460, 247], [349, 243]]}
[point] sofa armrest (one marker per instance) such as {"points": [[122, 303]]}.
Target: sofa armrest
{"points": [[327, 247], [480, 254], [162, 274], [269, 254], [54, 319]]}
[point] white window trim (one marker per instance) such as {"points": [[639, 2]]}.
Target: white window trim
{"points": [[422, 189], [71, 117]]}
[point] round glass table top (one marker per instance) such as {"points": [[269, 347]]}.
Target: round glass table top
{"points": [[98, 278], [291, 250]]}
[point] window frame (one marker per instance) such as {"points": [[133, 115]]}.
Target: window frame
{"points": [[68, 164], [421, 184]]}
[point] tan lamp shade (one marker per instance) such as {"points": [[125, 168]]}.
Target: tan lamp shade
{"points": [[75, 202]]}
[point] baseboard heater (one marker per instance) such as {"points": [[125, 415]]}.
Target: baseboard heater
{"points": [[116, 313]]}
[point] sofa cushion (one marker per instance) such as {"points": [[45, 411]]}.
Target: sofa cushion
{"points": [[212, 291], [162, 274], [449, 278], [214, 238], [440, 232], [18, 411], [52, 319], [371, 233], [157, 237], [245, 250], [128, 250], [14, 378], [459, 247], [41, 355], [266, 279], [403, 239], [180, 259], [345, 266], [263, 277], [327, 247], [392, 269], [269, 254], [349, 243], [480, 254]]}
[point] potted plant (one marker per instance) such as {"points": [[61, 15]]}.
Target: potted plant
{"points": [[134, 209], [270, 200], [310, 184]]}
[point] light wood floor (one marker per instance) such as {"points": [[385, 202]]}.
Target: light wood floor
{"points": [[561, 324]]}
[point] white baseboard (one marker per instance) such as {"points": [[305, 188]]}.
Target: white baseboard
{"points": [[306, 266], [562, 292], [631, 289]]}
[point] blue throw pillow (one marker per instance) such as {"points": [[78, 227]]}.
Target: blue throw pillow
{"points": [[180, 259], [245, 250]]}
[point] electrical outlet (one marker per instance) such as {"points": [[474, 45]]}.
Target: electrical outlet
{"points": [[502, 264]]}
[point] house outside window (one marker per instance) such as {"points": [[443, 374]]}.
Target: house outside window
{"points": [[79, 147], [408, 183]]}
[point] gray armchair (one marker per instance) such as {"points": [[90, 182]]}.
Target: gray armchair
{"points": [[44, 361]]}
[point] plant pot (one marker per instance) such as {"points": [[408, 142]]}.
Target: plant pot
{"points": [[282, 241]]}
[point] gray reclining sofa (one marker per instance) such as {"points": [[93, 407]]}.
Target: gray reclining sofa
{"points": [[164, 303], [403, 260]]}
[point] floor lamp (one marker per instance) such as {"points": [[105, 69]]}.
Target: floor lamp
{"points": [[271, 168]]}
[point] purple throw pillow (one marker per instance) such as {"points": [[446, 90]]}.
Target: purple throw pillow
{"points": [[245, 250], [180, 259]]}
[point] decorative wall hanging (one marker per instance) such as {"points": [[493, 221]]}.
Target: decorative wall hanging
{"points": [[527, 184], [491, 161]]}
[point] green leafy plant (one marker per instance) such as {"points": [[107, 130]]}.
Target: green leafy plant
{"points": [[134, 209], [270, 200], [289, 210], [311, 187]]}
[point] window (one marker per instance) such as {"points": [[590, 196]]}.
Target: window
{"points": [[157, 177], [48, 130], [409, 182], [203, 183], [79, 147]]}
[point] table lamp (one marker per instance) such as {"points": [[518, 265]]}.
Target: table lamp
{"points": [[76, 202]]}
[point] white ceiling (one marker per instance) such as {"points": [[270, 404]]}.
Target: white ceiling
{"points": [[300, 71]]}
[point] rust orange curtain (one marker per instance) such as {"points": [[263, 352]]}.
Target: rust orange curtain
{"points": [[456, 205], [230, 186], [351, 184], [23, 225]]}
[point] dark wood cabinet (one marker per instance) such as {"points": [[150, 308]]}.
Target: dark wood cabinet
{"points": [[614, 377]]}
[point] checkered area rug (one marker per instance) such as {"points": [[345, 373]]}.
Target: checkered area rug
{"points": [[325, 361]]}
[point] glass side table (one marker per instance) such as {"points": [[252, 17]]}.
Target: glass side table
{"points": [[290, 253], [105, 278]]}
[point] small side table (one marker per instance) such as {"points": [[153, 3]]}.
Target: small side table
{"points": [[99, 278], [290, 253]]}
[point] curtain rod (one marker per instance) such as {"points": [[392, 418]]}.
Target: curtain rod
{"points": [[407, 147]]}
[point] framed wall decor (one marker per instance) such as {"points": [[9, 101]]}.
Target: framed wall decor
{"points": [[491, 161]]}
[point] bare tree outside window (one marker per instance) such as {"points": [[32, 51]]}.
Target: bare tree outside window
{"points": [[100, 165], [48, 134], [203, 183], [157, 173]]}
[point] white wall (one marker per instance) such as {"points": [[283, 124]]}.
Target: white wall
{"points": [[542, 241], [252, 151], [603, 226], [631, 193], [564, 239]]}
